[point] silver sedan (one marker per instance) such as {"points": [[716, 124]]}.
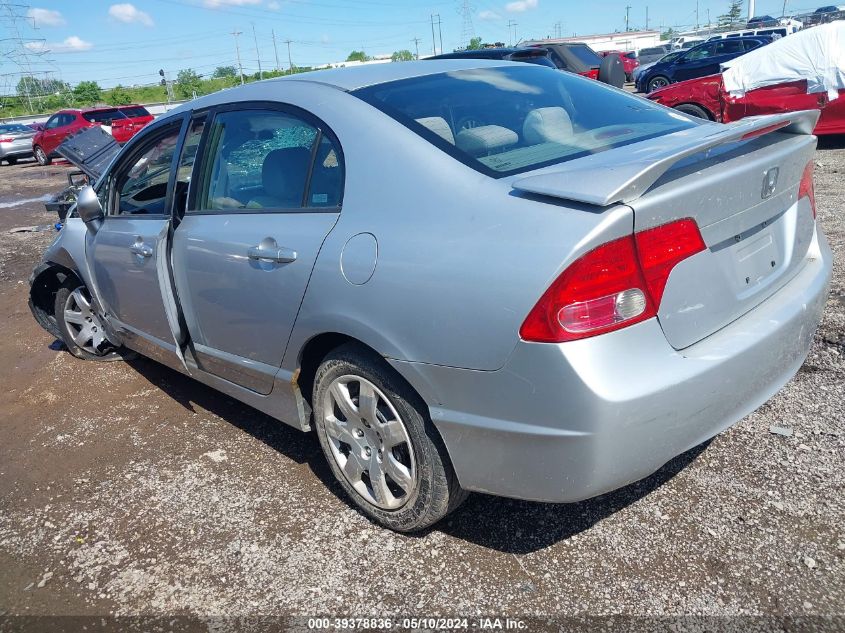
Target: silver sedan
{"points": [[460, 275], [15, 142]]}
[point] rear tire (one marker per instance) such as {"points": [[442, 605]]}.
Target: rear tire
{"points": [[656, 83], [41, 156], [694, 110], [387, 457], [12, 160], [81, 329]]}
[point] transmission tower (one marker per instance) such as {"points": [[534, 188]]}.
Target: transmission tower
{"points": [[467, 30]]}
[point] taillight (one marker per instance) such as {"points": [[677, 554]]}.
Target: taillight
{"points": [[6, 140], [806, 187], [613, 286]]}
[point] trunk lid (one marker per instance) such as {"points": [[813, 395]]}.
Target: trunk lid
{"points": [[91, 149], [740, 184]]}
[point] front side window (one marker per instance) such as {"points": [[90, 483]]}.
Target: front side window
{"points": [[141, 184], [513, 119], [728, 47], [262, 160], [702, 52]]}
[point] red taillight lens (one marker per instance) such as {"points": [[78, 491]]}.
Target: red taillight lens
{"points": [[6, 140], [664, 247], [613, 286], [806, 187]]}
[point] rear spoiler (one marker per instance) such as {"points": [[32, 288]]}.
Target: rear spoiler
{"points": [[625, 173]]}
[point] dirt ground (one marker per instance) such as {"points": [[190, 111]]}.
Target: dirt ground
{"points": [[127, 488]]}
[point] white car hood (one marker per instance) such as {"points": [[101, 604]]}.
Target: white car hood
{"points": [[816, 54]]}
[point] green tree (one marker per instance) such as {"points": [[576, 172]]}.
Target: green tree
{"points": [[37, 87], [119, 96], [187, 83], [223, 72], [733, 16], [358, 56], [475, 44], [667, 35], [402, 56], [87, 92]]}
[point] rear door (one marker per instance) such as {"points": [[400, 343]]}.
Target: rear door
{"points": [[128, 254], [786, 97], [265, 194]]}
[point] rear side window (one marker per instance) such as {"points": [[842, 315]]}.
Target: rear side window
{"points": [[585, 54], [513, 119], [262, 160], [102, 116], [750, 45]]}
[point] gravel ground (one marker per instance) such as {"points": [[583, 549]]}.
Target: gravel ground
{"points": [[126, 488]]}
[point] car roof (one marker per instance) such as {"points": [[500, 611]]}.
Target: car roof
{"points": [[352, 78]]}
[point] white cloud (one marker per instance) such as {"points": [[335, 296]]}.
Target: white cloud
{"points": [[45, 17], [489, 15], [128, 13], [70, 44], [216, 4], [273, 5], [521, 5]]}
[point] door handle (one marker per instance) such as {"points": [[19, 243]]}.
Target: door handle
{"points": [[141, 249], [280, 255]]}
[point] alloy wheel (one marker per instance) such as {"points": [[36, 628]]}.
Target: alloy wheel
{"points": [[82, 322], [369, 442], [657, 83]]}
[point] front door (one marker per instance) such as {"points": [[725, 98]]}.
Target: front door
{"points": [[266, 193], [128, 254]]}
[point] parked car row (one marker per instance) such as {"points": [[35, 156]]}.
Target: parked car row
{"points": [[43, 139], [783, 77]]}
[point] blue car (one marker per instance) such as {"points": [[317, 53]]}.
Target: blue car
{"points": [[699, 61]]}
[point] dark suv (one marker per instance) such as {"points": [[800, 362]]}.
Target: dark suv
{"points": [[699, 61]]}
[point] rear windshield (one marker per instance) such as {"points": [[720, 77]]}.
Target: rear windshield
{"points": [[652, 51], [134, 111], [585, 54], [14, 128], [513, 119], [102, 116], [541, 60]]}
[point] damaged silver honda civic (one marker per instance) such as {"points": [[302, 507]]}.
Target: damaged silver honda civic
{"points": [[462, 275]]}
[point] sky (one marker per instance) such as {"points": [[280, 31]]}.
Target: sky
{"points": [[127, 43]]}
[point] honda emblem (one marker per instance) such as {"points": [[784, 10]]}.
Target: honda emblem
{"points": [[770, 181]]}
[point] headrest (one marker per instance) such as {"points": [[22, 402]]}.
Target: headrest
{"points": [[480, 141], [545, 125], [284, 172], [438, 125]]}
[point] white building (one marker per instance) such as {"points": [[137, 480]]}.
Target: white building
{"points": [[625, 41]]}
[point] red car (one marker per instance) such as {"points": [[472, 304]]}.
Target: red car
{"points": [[122, 121], [707, 98], [629, 61]]}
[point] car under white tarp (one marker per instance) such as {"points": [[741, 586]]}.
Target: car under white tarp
{"points": [[816, 54]]}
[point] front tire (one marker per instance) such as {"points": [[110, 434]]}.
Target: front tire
{"points": [[380, 443], [656, 83], [81, 328], [41, 156]]}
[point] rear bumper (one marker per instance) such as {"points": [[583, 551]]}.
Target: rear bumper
{"points": [[568, 422], [21, 151]]}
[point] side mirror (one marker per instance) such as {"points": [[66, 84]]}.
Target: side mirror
{"points": [[88, 207]]}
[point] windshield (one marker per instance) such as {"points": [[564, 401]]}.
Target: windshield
{"points": [[513, 119]]}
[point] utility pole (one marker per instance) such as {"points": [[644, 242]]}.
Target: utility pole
{"points": [[257, 55], [783, 13], [750, 9], [290, 63], [433, 41], [416, 42], [275, 50], [511, 24], [696, 14], [627, 15], [238, 53], [646, 18]]}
